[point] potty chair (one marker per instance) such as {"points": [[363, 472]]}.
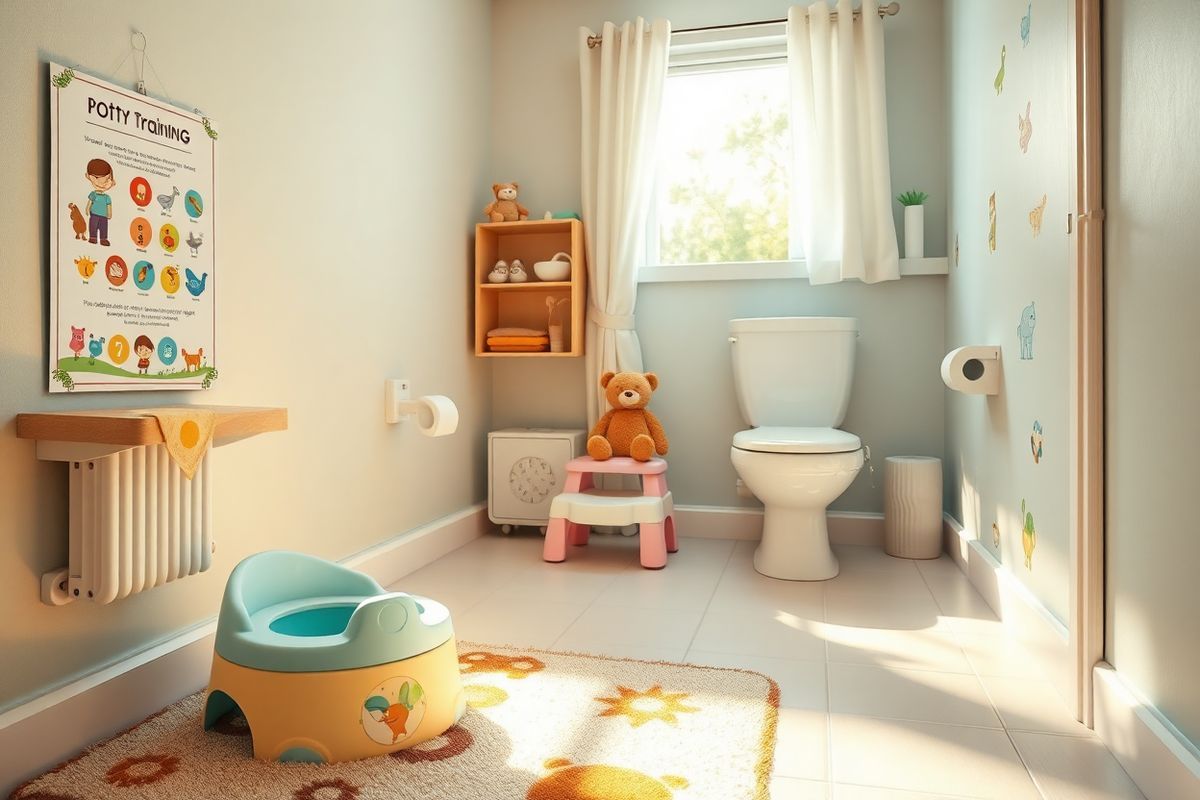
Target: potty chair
{"points": [[327, 666]]}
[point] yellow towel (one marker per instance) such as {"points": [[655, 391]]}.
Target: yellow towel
{"points": [[187, 432], [520, 341]]}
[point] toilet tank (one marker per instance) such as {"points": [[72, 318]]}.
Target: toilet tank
{"points": [[793, 371]]}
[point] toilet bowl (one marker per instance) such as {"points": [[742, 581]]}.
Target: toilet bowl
{"points": [[793, 377], [796, 473]]}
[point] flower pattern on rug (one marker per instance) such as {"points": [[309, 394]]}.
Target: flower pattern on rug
{"points": [[480, 695], [642, 707], [317, 790], [140, 770], [568, 781], [454, 742], [518, 666]]}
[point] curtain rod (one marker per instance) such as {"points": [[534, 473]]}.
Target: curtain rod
{"points": [[889, 10]]}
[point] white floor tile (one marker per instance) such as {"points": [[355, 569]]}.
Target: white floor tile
{"points": [[798, 789], [1073, 768], [801, 748], [935, 649], [669, 588], [926, 757], [775, 634], [998, 655], [909, 694], [642, 627], [842, 791], [902, 612], [801, 683], [523, 623], [1031, 704], [558, 583]]}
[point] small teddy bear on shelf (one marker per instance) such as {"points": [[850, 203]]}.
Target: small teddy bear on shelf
{"points": [[505, 207], [629, 428]]}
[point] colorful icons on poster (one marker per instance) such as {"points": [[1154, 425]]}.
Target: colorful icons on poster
{"points": [[86, 267], [167, 351], [140, 231], [139, 190], [168, 237], [195, 286], [118, 349], [194, 241], [78, 225], [143, 275], [116, 270], [193, 204], [95, 348], [170, 280]]}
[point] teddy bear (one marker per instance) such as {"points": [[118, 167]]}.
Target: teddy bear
{"points": [[629, 428], [505, 207]]}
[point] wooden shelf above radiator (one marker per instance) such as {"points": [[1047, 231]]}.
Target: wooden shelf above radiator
{"points": [[132, 427]]}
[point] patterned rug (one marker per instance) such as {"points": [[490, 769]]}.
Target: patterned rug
{"points": [[541, 726]]}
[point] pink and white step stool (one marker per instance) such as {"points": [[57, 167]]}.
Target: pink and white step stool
{"points": [[581, 506]]}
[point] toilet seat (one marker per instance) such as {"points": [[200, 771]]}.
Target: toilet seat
{"points": [[796, 440]]}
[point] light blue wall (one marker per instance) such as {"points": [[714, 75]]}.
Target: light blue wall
{"points": [[991, 469], [1152, 180], [897, 406]]}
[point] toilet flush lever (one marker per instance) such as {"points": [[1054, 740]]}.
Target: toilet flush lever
{"points": [[870, 466]]}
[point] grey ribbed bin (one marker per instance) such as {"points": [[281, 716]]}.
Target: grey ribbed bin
{"points": [[912, 506]]}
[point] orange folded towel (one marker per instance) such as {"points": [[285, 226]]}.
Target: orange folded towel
{"points": [[516, 348], [518, 332], [520, 341]]}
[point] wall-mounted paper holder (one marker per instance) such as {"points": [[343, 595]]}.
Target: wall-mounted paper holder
{"points": [[974, 369]]}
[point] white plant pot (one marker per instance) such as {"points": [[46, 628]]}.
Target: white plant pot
{"points": [[914, 231]]}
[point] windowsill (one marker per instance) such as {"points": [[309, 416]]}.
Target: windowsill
{"points": [[767, 270]]}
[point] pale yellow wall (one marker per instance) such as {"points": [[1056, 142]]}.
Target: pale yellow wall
{"points": [[371, 117], [897, 402], [990, 462], [1152, 180]]}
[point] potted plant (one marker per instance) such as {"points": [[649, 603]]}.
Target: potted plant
{"points": [[914, 222]]}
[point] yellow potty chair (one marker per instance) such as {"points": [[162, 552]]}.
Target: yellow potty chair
{"points": [[327, 666]]}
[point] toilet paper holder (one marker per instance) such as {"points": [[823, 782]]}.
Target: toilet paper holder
{"points": [[398, 406], [973, 369]]}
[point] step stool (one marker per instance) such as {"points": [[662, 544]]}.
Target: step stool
{"points": [[580, 506]]}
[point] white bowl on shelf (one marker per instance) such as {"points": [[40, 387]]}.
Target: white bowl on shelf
{"points": [[558, 268]]}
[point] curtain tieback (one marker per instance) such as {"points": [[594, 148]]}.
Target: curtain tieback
{"points": [[615, 322]]}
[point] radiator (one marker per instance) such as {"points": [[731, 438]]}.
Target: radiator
{"points": [[136, 522]]}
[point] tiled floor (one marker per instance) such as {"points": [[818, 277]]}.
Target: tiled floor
{"points": [[897, 680]]}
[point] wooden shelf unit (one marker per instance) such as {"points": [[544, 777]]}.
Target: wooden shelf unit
{"points": [[523, 305], [134, 428]]}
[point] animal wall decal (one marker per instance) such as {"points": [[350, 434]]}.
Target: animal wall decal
{"points": [[999, 82], [78, 224], [1036, 441], [956, 249], [996, 535], [1035, 217], [1028, 536], [992, 223], [1025, 127], [1025, 23], [1025, 331]]}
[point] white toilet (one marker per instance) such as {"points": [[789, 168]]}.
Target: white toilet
{"points": [[793, 377]]}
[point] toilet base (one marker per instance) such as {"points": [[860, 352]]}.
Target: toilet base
{"points": [[795, 545]]}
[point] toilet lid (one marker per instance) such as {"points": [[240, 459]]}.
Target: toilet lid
{"points": [[796, 440]]}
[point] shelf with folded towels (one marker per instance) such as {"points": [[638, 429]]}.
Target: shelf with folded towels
{"points": [[535, 306]]}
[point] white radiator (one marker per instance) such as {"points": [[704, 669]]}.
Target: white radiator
{"points": [[136, 522]]}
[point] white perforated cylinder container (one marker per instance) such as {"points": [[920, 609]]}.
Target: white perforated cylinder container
{"points": [[912, 506]]}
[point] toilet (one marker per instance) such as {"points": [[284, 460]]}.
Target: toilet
{"points": [[793, 377]]}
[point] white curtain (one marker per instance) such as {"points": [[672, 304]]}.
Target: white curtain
{"points": [[841, 187], [621, 85]]}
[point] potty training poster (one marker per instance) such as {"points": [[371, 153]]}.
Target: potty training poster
{"points": [[132, 242]]}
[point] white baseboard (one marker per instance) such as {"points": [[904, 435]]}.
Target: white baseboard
{"points": [[1024, 616], [33, 737], [745, 524], [1163, 764]]}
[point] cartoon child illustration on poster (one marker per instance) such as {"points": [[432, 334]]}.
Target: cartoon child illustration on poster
{"points": [[99, 205], [144, 348]]}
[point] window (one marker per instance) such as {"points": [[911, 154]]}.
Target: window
{"points": [[723, 175]]}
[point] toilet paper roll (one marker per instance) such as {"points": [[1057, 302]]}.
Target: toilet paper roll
{"points": [[437, 415], [974, 369]]}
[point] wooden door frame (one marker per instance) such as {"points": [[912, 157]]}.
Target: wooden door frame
{"points": [[1087, 373]]}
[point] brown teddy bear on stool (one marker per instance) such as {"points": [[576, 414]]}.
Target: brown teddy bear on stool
{"points": [[628, 429], [505, 207]]}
